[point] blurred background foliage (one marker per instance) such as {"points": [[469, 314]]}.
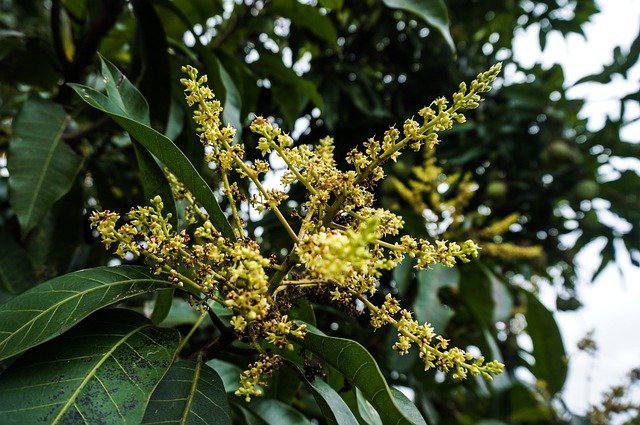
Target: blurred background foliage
{"points": [[349, 69]]}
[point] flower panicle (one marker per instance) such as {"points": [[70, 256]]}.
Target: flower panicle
{"points": [[339, 248]]}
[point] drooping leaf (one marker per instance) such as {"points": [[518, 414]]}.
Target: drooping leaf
{"points": [[103, 371], [52, 307], [427, 304], [548, 349], [41, 166], [163, 149], [333, 407], [16, 271], [190, 393], [433, 12], [355, 363], [275, 412]]}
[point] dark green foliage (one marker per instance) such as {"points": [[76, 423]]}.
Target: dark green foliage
{"points": [[101, 372]]}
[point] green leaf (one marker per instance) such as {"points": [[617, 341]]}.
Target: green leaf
{"points": [[16, 271], [275, 412], [249, 417], [427, 305], [548, 348], [333, 407], [162, 305], [229, 373], [308, 17], [433, 12], [165, 150], [364, 411], [41, 167], [355, 363], [52, 307], [407, 406], [103, 371], [191, 392], [134, 106], [476, 293], [180, 313]]}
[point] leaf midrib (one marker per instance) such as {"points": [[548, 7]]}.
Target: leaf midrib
{"points": [[93, 372], [192, 393], [54, 145], [106, 285]]}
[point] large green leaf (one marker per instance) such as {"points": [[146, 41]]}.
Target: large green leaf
{"points": [[16, 271], [52, 307], [427, 304], [163, 149], [434, 13], [190, 393], [548, 349], [103, 371], [355, 363], [41, 167], [133, 105], [333, 407]]}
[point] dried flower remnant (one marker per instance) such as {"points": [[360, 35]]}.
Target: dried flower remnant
{"points": [[339, 248]]}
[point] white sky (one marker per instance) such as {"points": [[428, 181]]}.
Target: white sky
{"points": [[612, 302]]}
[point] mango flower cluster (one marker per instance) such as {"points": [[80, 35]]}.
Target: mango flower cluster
{"points": [[341, 247]]}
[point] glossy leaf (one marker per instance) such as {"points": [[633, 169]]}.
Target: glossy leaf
{"points": [[548, 348], [191, 392], [104, 371], [52, 307], [163, 149], [355, 363], [433, 12], [41, 166]]}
